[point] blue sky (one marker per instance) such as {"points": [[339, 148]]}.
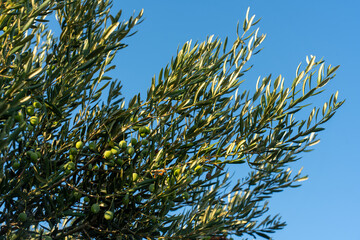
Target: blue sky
{"points": [[325, 207]]}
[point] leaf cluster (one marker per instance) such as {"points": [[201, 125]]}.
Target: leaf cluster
{"points": [[82, 167]]}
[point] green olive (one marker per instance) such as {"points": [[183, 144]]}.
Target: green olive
{"points": [[133, 141], [130, 151], [95, 208], [142, 130], [16, 165], [108, 154], [30, 110], [111, 144], [33, 156], [186, 195], [79, 145], [152, 188], [22, 217], [115, 150], [108, 215], [144, 142], [36, 104], [34, 120], [147, 130], [73, 151], [123, 144], [70, 166], [119, 162]]}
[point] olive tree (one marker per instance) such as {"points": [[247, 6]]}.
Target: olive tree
{"points": [[75, 165]]}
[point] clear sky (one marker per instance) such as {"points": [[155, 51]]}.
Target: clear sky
{"points": [[326, 206]]}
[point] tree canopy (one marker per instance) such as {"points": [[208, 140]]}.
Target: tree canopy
{"points": [[75, 165]]}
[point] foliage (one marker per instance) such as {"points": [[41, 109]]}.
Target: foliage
{"points": [[74, 166]]}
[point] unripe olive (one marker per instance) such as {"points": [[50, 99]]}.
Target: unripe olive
{"points": [[152, 188], [70, 166], [16, 165], [133, 141], [30, 110], [86, 199], [33, 156], [36, 104], [108, 154], [22, 217], [115, 150], [79, 145], [108, 215], [123, 144], [147, 130], [119, 162], [111, 144], [34, 120], [130, 151], [95, 208], [72, 157], [73, 151], [186, 195], [144, 142], [144, 131]]}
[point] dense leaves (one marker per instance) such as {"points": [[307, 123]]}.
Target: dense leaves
{"points": [[76, 166]]}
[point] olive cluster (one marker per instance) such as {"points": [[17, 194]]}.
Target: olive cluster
{"points": [[28, 118], [111, 158]]}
